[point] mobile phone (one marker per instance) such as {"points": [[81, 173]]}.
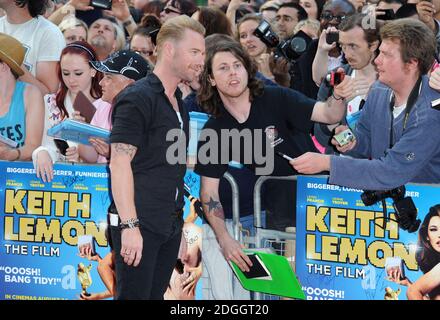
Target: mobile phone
{"points": [[332, 37], [335, 77], [102, 4], [9, 142], [258, 269], [388, 14], [61, 145], [84, 106], [344, 137]]}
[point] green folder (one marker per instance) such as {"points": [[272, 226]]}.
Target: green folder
{"points": [[284, 282]]}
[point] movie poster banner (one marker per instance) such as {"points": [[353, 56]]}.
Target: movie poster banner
{"points": [[43, 227], [345, 252], [41, 224]]}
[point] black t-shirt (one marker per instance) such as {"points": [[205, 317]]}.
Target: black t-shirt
{"points": [[142, 117], [283, 115]]}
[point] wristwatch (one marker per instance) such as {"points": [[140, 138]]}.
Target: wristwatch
{"points": [[129, 224]]}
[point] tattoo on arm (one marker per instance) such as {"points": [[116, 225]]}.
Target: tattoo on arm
{"points": [[124, 148], [215, 208]]}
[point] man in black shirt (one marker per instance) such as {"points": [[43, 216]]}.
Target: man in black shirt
{"points": [[230, 92], [147, 188]]}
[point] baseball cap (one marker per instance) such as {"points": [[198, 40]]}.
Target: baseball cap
{"points": [[12, 53], [124, 62]]}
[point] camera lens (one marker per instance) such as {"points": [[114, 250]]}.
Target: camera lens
{"points": [[298, 45]]}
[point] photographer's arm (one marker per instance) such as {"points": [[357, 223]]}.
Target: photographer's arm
{"points": [[232, 250], [230, 13], [320, 63], [333, 110], [69, 9], [121, 11]]}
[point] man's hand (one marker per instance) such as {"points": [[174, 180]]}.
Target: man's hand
{"points": [[101, 147], [322, 43], [434, 79], [83, 5], [346, 88], [263, 65], [348, 146], [72, 154], [426, 11], [78, 117], [311, 163], [360, 87], [131, 246], [232, 251], [194, 274], [119, 10]]}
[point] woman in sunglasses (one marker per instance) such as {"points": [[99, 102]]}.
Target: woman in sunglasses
{"points": [[144, 38]]}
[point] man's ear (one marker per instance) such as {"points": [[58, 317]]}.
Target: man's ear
{"points": [[413, 64], [168, 50]]}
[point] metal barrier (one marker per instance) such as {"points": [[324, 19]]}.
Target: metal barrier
{"points": [[235, 205], [265, 237]]}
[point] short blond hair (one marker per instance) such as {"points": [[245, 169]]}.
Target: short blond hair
{"points": [[71, 22], [174, 29]]}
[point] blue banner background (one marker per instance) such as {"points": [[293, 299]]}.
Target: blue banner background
{"points": [[321, 272], [50, 272]]}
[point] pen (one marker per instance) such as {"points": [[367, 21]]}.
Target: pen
{"points": [[284, 156]]}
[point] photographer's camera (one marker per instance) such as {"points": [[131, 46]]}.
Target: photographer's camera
{"points": [[291, 49], [404, 207]]}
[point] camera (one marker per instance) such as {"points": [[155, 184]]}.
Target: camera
{"points": [[344, 137], [102, 4], [332, 37], [388, 14], [335, 77], [404, 207], [291, 49]]}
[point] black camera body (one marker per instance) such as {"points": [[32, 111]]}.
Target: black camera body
{"points": [[404, 207], [291, 49]]}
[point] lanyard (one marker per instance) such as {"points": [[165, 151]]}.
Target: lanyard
{"points": [[413, 96]]}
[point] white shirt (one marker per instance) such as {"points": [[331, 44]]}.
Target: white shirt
{"points": [[398, 110], [42, 40], [354, 104]]}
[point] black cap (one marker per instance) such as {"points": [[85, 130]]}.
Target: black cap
{"points": [[125, 62]]}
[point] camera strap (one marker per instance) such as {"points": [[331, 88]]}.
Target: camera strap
{"points": [[413, 96]]}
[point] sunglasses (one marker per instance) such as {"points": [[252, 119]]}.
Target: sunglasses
{"points": [[168, 11], [329, 17]]}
